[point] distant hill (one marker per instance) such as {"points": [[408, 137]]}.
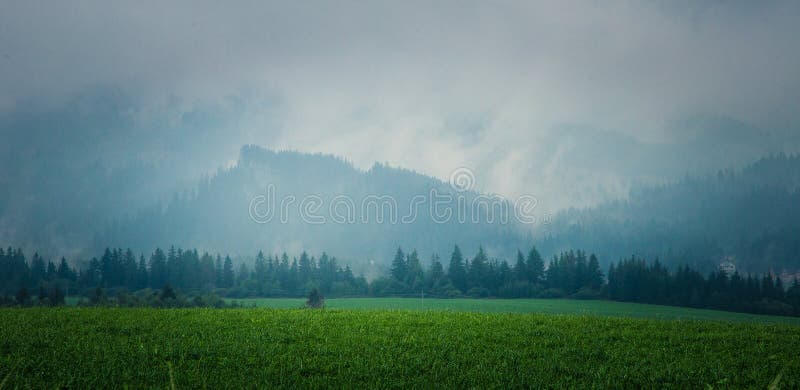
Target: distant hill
{"points": [[216, 216], [750, 217]]}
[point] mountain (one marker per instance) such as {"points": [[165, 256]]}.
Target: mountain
{"points": [[67, 170], [217, 215], [749, 217]]}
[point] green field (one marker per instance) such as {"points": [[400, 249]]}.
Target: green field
{"points": [[290, 348], [548, 306]]}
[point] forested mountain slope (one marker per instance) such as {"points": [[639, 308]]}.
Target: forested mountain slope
{"points": [[750, 217], [217, 216]]}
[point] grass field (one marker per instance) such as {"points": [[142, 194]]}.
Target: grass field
{"points": [[247, 348], [548, 306]]}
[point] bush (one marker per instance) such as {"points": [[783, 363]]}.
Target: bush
{"points": [[167, 293], [771, 307], [587, 293], [551, 293], [378, 286], [478, 292]]}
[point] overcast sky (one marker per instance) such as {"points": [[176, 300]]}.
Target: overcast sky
{"points": [[568, 101]]}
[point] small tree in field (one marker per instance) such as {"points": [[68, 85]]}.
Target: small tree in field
{"points": [[315, 300]]}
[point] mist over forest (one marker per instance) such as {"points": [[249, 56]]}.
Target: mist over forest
{"points": [[678, 142], [746, 215], [394, 194]]}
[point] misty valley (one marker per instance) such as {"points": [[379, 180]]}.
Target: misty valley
{"points": [[395, 195], [685, 267]]}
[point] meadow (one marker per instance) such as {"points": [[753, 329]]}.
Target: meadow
{"points": [[356, 348], [544, 306]]}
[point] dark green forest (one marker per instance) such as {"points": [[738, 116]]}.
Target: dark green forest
{"points": [[120, 278], [750, 217], [214, 214]]}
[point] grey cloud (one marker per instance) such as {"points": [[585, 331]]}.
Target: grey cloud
{"points": [[571, 101]]}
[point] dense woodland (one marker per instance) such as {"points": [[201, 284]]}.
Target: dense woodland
{"points": [[749, 216], [635, 280], [214, 214], [119, 277]]}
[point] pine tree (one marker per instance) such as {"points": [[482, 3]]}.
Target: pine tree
{"points": [[207, 272], [284, 272], [478, 271], [38, 271], [51, 271], [293, 279], [504, 274], [767, 287], [581, 273], [520, 268], [218, 271], [613, 290], [348, 274], [19, 274], [158, 269], [64, 272], [243, 275], [228, 277], [414, 274], [260, 268], [778, 291], [595, 275], [793, 296], [272, 266], [535, 266], [554, 275], [143, 277], [190, 275], [456, 270], [175, 267], [436, 272], [305, 268], [399, 268], [5, 270], [94, 275], [109, 268], [130, 274], [327, 272]]}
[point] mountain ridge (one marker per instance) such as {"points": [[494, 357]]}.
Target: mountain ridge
{"points": [[215, 216]]}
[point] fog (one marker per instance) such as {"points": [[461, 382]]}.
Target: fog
{"points": [[571, 102]]}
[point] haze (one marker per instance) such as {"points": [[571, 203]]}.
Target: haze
{"points": [[574, 105]]}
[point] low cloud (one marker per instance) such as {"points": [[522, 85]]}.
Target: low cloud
{"points": [[569, 101]]}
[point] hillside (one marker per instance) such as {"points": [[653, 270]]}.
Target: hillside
{"points": [[217, 215], [750, 217]]}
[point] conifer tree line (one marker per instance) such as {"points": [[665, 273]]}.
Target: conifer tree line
{"points": [[572, 274], [185, 270], [636, 280]]}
